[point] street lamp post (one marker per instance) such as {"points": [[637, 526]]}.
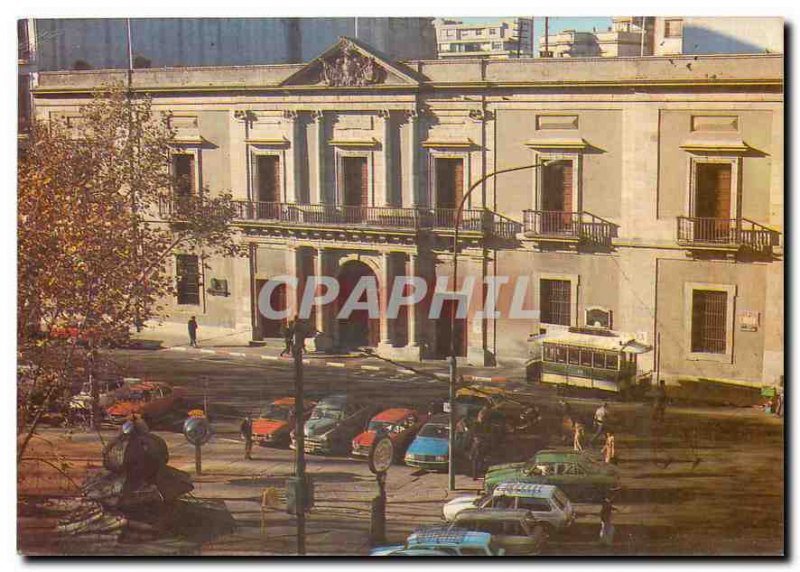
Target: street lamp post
{"points": [[451, 467]]}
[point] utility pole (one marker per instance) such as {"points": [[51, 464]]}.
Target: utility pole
{"points": [[546, 37], [299, 439], [451, 466]]}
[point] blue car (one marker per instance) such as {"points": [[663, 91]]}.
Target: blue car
{"points": [[431, 447]]}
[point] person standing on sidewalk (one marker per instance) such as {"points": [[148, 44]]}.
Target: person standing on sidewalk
{"points": [[600, 418], [247, 434], [606, 528], [577, 437], [193, 332], [288, 337], [609, 449]]}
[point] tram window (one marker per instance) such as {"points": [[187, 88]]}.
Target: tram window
{"points": [[549, 353], [586, 358], [611, 361], [599, 360], [574, 356], [561, 355]]}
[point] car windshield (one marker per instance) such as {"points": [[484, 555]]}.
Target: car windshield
{"points": [[275, 412], [326, 413], [560, 499], [381, 426], [436, 431], [137, 395]]}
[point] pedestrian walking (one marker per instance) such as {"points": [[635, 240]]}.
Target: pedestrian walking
{"points": [[659, 402], [577, 437], [193, 331], [247, 434], [600, 418], [477, 455], [288, 337], [609, 449], [606, 528]]}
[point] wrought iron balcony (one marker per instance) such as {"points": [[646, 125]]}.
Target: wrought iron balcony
{"points": [[726, 234], [567, 226], [338, 216]]}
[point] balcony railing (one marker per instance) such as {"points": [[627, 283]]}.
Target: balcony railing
{"points": [[732, 233], [475, 220], [567, 225]]}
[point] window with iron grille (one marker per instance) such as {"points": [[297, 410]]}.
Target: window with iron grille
{"points": [[187, 271], [554, 302], [709, 309], [183, 172]]}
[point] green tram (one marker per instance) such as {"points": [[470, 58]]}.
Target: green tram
{"points": [[586, 358]]}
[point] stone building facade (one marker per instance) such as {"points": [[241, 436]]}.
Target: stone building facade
{"points": [[659, 210]]}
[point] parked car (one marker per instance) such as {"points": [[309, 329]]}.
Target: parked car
{"points": [[443, 541], [150, 399], [516, 531], [430, 448], [399, 423], [333, 423], [546, 502], [276, 421], [574, 472], [109, 392]]}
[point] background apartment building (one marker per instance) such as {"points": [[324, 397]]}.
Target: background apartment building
{"points": [[512, 38], [659, 211], [630, 36]]}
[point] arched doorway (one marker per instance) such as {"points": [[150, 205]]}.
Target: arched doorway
{"points": [[268, 327], [358, 329]]}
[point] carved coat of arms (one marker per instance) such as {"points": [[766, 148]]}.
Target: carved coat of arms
{"points": [[350, 69]]}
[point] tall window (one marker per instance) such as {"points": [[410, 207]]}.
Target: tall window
{"points": [[709, 313], [268, 178], [554, 302], [188, 277], [355, 181], [183, 172], [713, 201], [673, 28]]}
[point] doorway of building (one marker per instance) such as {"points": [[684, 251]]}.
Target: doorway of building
{"points": [[269, 327], [358, 329], [712, 206], [445, 331], [449, 189], [557, 199], [355, 187]]}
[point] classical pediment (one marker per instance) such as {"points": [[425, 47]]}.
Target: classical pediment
{"points": [[350, 63]]}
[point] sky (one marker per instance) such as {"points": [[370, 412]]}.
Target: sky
{"points": [[556, 24]]}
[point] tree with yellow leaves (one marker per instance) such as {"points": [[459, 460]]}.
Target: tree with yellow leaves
{"points": [[93, 239]]}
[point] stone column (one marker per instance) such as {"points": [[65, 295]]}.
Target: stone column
{"points": [[385, 286], [387, 157], [411, 270], [323, 341], [413, 120], [291, 174], [239, 154], [318, 196]]}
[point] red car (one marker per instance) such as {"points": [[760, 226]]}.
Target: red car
{"points": [[150, 399], [400, 423], [276, 421]]}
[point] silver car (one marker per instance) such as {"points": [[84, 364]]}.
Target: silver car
{"points": [[515, 531], [547, 503]]}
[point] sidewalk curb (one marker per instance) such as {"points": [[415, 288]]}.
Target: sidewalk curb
{"points": [[321, 361]]}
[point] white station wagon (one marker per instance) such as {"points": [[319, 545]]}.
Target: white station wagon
{"points": [[547, 503]]}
